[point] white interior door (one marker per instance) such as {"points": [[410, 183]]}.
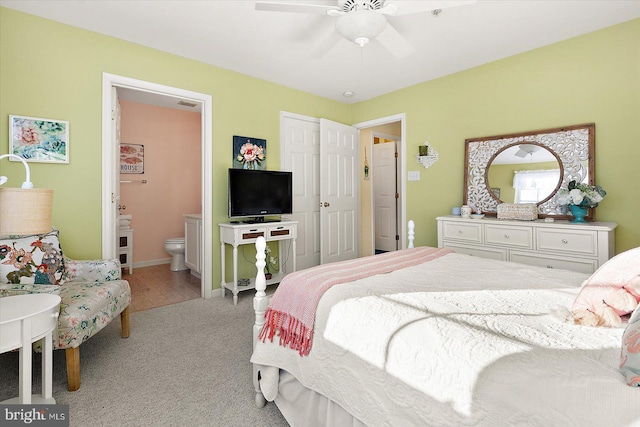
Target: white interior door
{"points": [[115, 132], [384, 194], [301, 155], [339, 192]]}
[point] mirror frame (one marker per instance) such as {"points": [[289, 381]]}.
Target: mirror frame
{"points": [[573, 146]]}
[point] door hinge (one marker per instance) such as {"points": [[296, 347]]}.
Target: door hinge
{"points": [[397, 195], [396, 154], [113, 114], [397, 237]]}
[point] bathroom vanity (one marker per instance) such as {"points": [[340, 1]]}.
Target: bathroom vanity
{"points": [[193, 243]]}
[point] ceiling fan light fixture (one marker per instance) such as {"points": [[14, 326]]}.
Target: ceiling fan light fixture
{"points": [[361, 26], [361, 41]]}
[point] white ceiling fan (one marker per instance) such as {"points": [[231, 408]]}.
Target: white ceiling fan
{"points": [[361, 21]]}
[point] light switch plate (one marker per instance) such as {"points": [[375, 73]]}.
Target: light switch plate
{"points": [[414, 176]]}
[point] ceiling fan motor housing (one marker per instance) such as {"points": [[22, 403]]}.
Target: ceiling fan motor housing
{"points": [[351, 5]]}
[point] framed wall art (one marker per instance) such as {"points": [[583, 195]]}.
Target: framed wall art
{"points": [[39, 140], [131, 158], [249, 153]]}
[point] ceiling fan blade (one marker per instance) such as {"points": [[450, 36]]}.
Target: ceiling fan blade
{"points": [[326, 45], [412, 6], [388, 9], [395, 42], [294, 7]]}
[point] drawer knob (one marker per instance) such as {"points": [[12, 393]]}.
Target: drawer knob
{"points": [[565, 241], [506, 236], [459, 231], [549, 266]]}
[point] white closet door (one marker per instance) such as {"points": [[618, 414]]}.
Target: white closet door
{"points": [[339, 192], [301, 155]]}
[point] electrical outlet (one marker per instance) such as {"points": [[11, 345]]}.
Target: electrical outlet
{"points": [[414, 176]]}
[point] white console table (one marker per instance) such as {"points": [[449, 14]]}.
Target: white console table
{"points": [[579, 247], [25, 319], [245, 234]]}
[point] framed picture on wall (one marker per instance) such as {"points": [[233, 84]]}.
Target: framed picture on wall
{"points": [[131, 158], [39, 140], [249, 153]]}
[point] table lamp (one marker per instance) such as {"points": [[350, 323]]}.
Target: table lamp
{"points": [[25, 210]]}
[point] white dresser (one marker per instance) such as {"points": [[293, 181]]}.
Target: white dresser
{"points": [[559, 244]]}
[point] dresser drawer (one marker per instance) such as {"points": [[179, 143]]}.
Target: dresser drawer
{"points": [[587, 266], [462, 231], [249, 235], [581, 242], [480, 251], [280, 232], [515, 237]]}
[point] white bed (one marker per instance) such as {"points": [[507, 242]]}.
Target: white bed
{"points": [[458, 341]]}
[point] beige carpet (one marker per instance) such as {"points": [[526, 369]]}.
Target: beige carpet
{"points": [[185, 364]]}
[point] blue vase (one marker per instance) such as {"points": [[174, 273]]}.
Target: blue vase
{"points": [[578, 212]]}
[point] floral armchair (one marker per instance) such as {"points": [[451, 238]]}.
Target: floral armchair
{"points": [[92, 291]]}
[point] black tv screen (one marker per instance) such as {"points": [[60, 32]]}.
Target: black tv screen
{"points": [[258, 193]]}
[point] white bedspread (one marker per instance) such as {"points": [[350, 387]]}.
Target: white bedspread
{"points": [[461, 341]]}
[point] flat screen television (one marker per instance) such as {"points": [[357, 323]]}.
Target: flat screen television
{"points": [[259, 193]]}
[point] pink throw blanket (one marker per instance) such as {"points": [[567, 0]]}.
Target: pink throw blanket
{"points": [[292, 308]]}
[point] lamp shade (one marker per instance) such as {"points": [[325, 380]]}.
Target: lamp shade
{"points": [[25, 211]]}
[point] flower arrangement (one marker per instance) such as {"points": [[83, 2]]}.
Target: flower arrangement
{"points": [[579, 194], [271, 262], [251, 155]]}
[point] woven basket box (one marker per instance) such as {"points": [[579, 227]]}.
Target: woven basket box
{"points": [[520, 212]]}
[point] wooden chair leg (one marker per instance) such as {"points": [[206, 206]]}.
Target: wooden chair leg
{"points": [[124, 320], [73, 368]]}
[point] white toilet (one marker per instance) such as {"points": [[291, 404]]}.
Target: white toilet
{"points": [[175, 247]]}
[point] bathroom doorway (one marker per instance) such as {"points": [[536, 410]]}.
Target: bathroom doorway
{"points": [[111, 163]]}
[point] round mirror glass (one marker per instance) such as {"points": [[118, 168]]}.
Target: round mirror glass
{"points": [[524, 173]]}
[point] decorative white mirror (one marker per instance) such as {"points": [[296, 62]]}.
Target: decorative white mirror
{"points": [[528, 167]]}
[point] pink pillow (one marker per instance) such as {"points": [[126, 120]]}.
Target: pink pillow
{"points": [[614, 287], [630, 353]]}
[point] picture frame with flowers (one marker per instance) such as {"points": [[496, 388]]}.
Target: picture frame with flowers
{"points": [[249, 153], [39, 140]]}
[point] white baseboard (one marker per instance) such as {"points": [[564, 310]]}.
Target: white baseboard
{"points": [[151, 263]]}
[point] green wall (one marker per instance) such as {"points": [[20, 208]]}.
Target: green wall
{"points": [[593, 78], [52, 70]]}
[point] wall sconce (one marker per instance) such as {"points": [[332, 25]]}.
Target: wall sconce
{"points": [[25, 210], [426, 156]]}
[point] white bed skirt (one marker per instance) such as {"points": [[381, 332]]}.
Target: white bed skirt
{"points": [[306, 408]]}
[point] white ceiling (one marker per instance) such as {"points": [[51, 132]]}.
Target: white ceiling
{"points": [[275, 46]]}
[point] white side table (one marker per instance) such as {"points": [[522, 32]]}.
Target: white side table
{"points": [[25, 319]]}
